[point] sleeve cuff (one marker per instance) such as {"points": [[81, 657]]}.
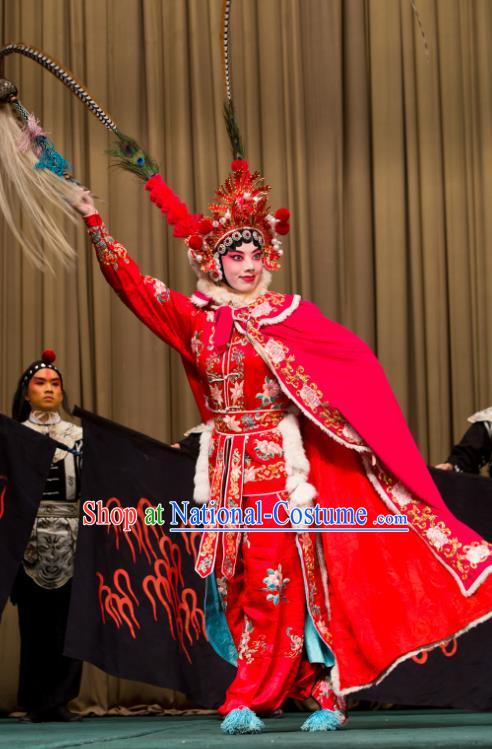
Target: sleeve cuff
{"points": [[93, 220]]}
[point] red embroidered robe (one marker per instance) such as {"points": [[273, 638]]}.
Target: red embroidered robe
{"points": [[389, 595]]}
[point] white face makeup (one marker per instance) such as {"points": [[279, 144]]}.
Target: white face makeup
{"points": [[243, 267]]}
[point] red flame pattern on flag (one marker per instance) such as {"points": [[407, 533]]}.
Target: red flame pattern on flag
{"points": [[164, 586]]}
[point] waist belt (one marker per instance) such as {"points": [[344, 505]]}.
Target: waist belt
{"points": [[247, 422], [226, 488], [50, 509]]}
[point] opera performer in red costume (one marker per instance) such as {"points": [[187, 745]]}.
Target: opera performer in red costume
{"points": [[298, 408]]}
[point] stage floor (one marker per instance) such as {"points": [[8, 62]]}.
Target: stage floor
{"points": [[409, 729]]}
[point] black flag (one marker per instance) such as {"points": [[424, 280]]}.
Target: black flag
{"points": [[137, 603], [25, 459]]}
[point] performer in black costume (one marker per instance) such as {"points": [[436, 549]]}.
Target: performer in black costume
{"points": [[474, 450], [48, 679]]}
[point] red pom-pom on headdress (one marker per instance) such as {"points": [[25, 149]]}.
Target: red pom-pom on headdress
{"points": [[239, 165], [195, 242], [205, 226], [282, 214], [186, 226], [282, 228], [48, 356]]}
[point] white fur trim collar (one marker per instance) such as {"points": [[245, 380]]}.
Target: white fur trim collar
{"points": [[222, 294]]}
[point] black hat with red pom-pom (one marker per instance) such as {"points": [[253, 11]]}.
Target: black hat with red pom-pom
{"points": [[48, 357]]}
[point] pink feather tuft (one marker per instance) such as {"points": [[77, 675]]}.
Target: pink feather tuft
{"points": [[31, 130]]}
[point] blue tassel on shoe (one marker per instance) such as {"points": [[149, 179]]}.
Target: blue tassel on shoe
{"points": [[323, 720], [242, 720]]}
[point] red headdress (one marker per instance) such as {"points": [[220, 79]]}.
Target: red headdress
{"points": [[239, 212]]}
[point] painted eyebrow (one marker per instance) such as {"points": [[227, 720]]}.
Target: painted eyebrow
{"points": [[241, 252]]}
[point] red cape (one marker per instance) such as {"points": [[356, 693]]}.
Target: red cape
{"points": [[390, 594]]}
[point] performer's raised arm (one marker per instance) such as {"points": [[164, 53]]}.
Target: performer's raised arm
{"points": [[166, 312]]}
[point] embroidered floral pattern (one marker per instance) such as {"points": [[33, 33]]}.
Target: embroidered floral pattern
{"points": [[272, 298], [225, 374], [216, 393], [324, 688], [232, 498], [333, 420], [108, 250], [270, 392], [310, 396], [275, 583], [217, 470], [262, 309], [437, 537], [248, 422], [235, 477], [234, 383], [476, 553], [248, 647], [244, 651], [267, 449], [197, 343], [314, 586], [327, 699], [232, 423], [270, 471], [213, 366], [304, 389], [402, 495], [161, 291], [276, 351], [222, 589], [462, 558], [206, 554], [296, 643], [237, 393], [249, 474]]}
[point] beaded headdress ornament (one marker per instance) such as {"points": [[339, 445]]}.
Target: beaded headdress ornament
{"points": [[46, 362]]}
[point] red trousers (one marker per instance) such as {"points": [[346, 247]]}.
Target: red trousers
{"points": [[265, 607]]}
